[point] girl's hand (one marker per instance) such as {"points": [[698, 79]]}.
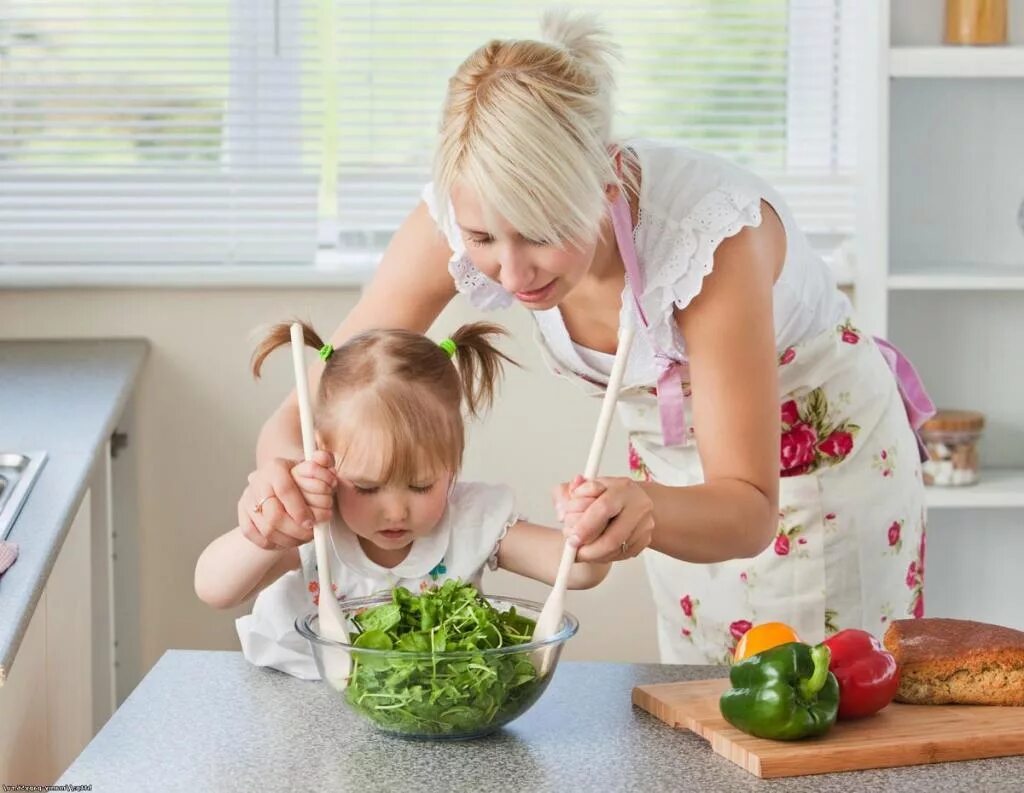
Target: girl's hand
{"points": [[612, 518], [285, 499], [571, 502]]}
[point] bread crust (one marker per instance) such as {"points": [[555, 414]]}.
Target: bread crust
{"points": [[947, 661]]}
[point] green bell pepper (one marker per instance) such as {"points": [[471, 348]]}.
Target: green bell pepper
{"points": [[785, 693]]}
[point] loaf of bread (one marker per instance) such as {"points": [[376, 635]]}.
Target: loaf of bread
{"points": [[945, 661]]}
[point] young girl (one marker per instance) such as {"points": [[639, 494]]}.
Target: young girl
{"points": [[388, 417]]}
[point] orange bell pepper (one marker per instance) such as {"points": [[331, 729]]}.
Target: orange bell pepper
{"points": [[764, 637]]}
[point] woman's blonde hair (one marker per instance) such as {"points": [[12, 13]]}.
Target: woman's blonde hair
{"points": [[397, 396], [528, 126]]}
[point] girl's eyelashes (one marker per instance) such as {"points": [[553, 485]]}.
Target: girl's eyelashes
{"points": [[369, 491]]}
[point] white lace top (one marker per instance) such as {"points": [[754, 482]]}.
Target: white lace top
{"points": [[689, 202]]}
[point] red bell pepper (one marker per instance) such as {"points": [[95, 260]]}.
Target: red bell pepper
{"points": [[868, 675]]}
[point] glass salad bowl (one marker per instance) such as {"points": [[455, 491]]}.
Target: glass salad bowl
{"points": [[447, 663]]}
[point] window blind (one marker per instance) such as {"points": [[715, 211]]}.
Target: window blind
{"points": [[153, 132], [229, 132], [766, 83]]}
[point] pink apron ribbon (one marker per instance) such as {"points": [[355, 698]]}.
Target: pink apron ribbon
{"points": [[918, 404], [672, 402], [671, 399]]}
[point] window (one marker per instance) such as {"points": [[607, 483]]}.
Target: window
{"points": [[253, 132], [148, 132]]}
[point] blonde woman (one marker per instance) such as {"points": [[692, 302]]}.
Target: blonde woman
{"points": [[743, 338]]}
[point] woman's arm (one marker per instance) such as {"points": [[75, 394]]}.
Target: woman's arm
{"points": [[730, 341], [535, 551], [409, 289], [232, 569]]}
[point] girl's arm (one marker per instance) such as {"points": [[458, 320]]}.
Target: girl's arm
{"points": [[231, 569], [535, 551]]}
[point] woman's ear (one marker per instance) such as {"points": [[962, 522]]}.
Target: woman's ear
{"points": [[612, 191]]}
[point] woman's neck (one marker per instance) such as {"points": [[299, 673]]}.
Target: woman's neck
{"points": [[607, 265], [606, 276]]}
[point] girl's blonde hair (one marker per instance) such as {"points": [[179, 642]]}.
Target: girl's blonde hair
{"points": [[527, 125], [398, 396]]}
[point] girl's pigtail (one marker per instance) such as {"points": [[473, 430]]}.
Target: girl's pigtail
{"points": [[279, 335], [480, 363]]}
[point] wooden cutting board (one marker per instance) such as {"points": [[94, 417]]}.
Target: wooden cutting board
{"points": [[899, 735]]}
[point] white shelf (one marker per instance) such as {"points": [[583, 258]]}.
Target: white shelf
{"points": [[957, 61], [957, 277], [997, 487]]}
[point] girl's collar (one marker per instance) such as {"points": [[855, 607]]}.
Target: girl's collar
{"points": [[425, 554]]}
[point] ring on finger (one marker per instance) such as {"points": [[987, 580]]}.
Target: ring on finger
{"points": [[624, 548], [258, 506]]}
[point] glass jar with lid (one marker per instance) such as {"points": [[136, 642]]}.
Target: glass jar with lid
{"points": [[951, 437]]}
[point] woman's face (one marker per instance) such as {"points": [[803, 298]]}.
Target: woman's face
{"points": [[537, 274]]}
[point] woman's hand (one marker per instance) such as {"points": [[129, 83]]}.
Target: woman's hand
{"points": [[285, 499], [611, 517]]}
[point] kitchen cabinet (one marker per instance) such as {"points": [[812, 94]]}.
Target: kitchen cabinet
{"points": [[46, 703], [69, 632]]}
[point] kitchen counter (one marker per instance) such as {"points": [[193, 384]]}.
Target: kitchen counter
{"points": [[211, 721], [63, 397]]}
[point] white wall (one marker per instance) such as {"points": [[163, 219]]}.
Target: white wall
{"points": [[199, 411]]}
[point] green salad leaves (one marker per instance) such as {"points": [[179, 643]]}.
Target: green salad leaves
{"points": [[431, 694]]}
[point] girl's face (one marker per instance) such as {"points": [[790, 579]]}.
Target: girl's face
{"points": [[392, 514], [538, 274]]}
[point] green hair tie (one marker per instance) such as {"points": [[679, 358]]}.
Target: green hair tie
{"points": [[326, 351], [448, 346]]}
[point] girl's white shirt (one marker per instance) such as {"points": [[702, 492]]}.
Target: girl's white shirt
{"points": [[464, 542]]}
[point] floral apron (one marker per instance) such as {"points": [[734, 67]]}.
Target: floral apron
{"points": [[849, 546]]}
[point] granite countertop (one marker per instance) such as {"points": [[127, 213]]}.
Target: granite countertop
{"points": [[211, 721], [63, 397]]}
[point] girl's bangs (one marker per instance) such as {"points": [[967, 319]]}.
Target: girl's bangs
{"points": [[397, 443]]}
